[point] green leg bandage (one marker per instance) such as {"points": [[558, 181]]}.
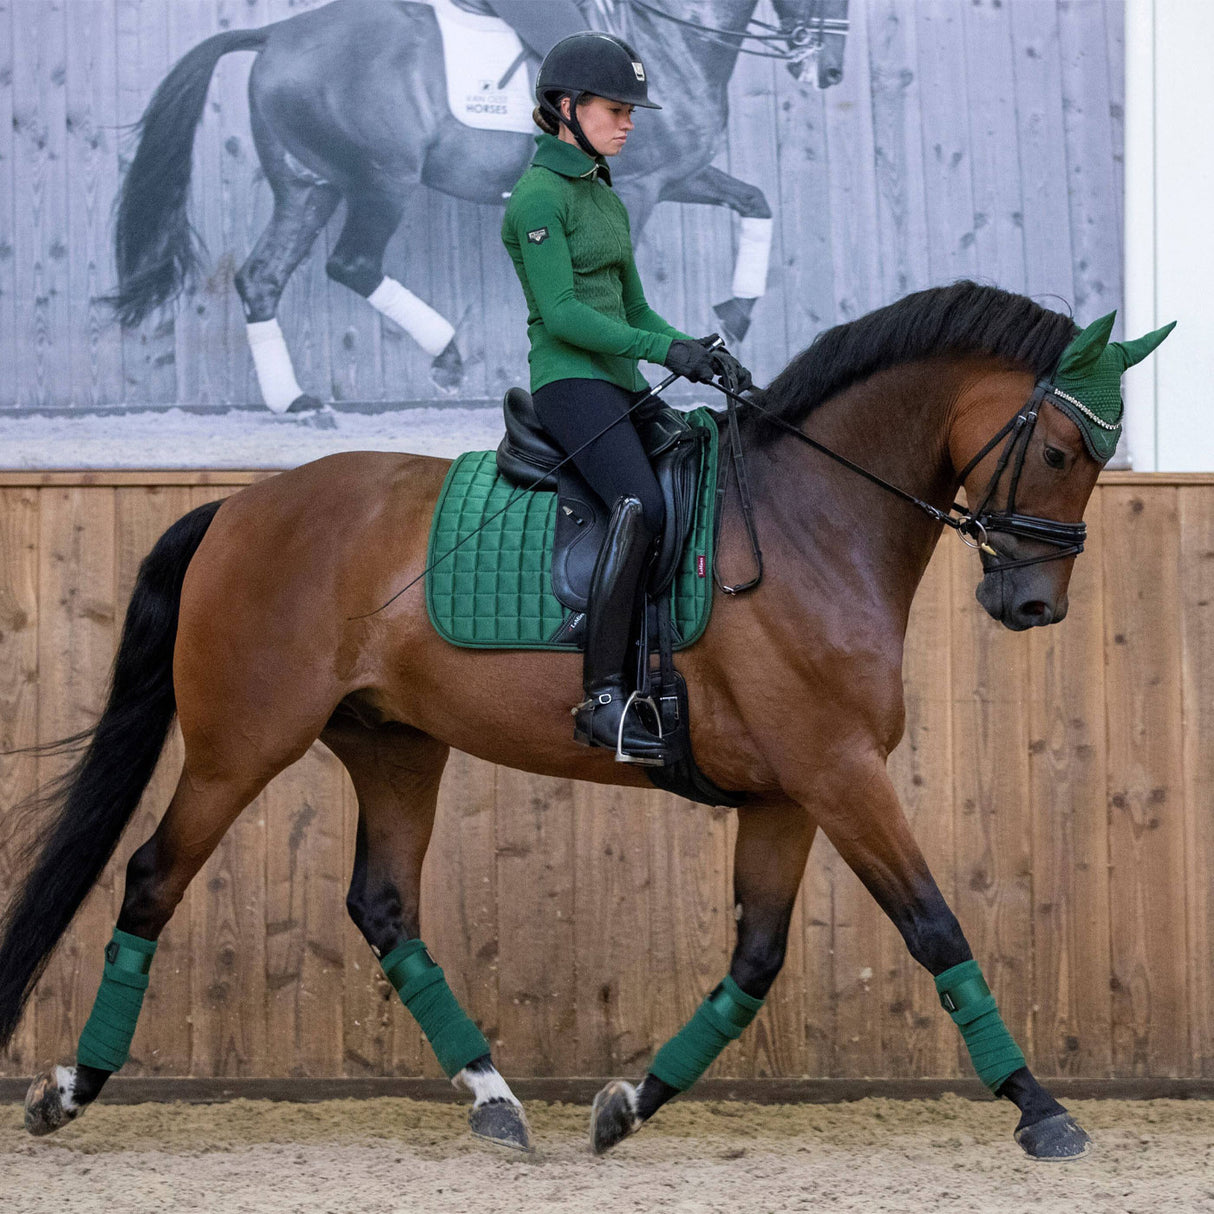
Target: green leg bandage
{"points": [[966, 997], [719, 1020], [106, 1040], [419, 982]]}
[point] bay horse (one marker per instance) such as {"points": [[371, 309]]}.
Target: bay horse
{"points": [[349, 101], [257, 621]]}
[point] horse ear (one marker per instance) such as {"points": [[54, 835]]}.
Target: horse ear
{"points": [[1133, 352], [1085, 350]]}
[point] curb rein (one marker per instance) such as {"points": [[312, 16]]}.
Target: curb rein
{"points": [[973, 526]]}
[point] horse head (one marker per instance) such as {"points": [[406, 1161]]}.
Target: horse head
{"points": [[1029, 484], [818, 28]]}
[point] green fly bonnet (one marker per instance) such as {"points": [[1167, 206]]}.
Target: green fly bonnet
{"points": [[1087, 384]]}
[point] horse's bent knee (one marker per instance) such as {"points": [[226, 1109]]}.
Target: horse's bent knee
{"points": [[936, 941], [259, 292], [149, 897], [756, 963], [361, 274]]}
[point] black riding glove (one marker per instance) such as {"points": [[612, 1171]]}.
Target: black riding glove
{"points": [[726, 365], [691, 360]]}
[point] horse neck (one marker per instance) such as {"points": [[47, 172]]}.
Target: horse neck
{"points": [[896, 425], [711, 57]]}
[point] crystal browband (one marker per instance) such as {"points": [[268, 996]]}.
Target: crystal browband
{"points": [[1066, 396]]}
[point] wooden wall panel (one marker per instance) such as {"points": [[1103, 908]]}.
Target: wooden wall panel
{"points": [[1058, 784]]}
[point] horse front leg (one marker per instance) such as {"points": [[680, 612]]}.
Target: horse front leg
{"points": [[396, 773], [712, 187], [864, 820], [769, 859]]}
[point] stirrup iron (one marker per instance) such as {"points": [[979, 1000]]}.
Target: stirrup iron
{"points": [[621, 756]]}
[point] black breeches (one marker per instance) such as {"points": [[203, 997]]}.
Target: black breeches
{"points": [[614, 465]]}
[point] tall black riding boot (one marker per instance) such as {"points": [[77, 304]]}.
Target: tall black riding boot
{"points": [[601, 719]]}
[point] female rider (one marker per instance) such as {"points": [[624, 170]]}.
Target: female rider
{"points": [[568, 235]]}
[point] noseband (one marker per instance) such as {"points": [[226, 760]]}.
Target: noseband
{"points": [[973, 526]]}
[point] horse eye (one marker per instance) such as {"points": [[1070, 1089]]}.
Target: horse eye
{"points": [[1055, 458]]}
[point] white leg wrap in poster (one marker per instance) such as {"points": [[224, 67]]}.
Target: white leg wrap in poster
{"points": [[272, 361], [754, 251], [431, 330]]}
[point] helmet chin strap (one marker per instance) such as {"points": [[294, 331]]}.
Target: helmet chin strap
{"points": [[571, 123]]}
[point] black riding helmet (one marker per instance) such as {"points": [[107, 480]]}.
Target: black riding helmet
{"points": [[600, 64]]}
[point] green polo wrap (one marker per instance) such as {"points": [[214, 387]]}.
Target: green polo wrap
{"points": [[966, 997], [719, 1020], [106, 1040], [423, 989]]}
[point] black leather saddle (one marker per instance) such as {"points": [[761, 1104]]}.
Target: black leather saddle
{"points": [[527, 457]]}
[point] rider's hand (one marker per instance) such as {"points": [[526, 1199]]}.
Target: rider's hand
{"points": [[726, 365], [691, 360]]}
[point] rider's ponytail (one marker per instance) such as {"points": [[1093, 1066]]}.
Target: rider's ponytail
{"points": [[545, 121]]}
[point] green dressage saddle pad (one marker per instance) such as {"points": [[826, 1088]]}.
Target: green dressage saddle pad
{"points": [[492, 588]]}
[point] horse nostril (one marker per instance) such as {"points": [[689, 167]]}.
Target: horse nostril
{"points": [[1035, 612]]}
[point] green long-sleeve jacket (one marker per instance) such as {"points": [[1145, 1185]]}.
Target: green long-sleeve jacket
{"points": [[568, 235]]}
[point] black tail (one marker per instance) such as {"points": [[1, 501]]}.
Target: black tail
{"points": [[155, 245], [91, 804]]}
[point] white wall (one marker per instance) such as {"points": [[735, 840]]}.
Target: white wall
{"points": [[1169, 214]]}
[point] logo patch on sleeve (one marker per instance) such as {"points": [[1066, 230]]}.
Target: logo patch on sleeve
{"points": [[538, 236]]}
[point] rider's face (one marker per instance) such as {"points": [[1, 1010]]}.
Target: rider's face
{"points": [[604, 122]]}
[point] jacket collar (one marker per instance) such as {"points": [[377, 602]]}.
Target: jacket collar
{"points": [[568, 159]]}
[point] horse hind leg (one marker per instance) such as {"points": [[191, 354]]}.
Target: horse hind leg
{"points": [[357, 262], [303, 204], [157, 875], [396, 772]]}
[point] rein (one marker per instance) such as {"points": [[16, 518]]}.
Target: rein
{"points": [[807, 39], [973, 526]]}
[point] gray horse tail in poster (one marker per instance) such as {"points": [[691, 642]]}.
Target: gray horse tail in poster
{"points": [[155, 245]]}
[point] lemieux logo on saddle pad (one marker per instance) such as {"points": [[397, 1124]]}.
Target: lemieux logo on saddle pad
{"points": [[538, 236]]}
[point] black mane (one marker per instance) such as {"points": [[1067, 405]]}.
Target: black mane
{"points": [[964, 318]]}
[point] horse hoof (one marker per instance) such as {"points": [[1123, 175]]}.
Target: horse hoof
{"points": [[1055, 1140], [613, 1116], [502, 1123], [45, 1111], [734, 315], [447, 370], [305, 402]]}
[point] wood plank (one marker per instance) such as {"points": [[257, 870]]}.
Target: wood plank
{"points": [[1048, 260], [819, 964], [954, 147], [305, 899], [1196, 605], [10, 309], [537, 1013], [690, 865], [142, 51], [1092, 148], [1066, 789], [92, 171], [917, 1037], [76, 622], [228, 940], [42, 366], [853, 187], [990, 99], [612, 925], [162, 1041], [1145, 781], [803, 266], [898, 123], [19, 696], [993, 823]]}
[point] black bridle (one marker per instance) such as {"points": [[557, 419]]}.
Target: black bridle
{"points": [[806, 39], [974, 526]]}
